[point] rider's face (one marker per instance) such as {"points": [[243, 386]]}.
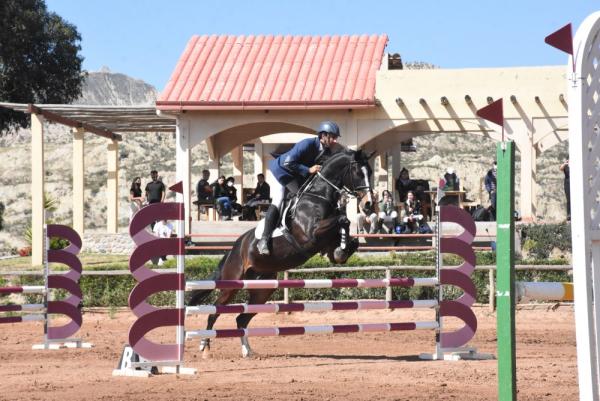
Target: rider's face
{"points": [[328, 140]]}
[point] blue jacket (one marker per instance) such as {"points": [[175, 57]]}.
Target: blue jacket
{"points": [[295, 163]]}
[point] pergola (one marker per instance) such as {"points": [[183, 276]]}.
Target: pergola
{"points": [[103, 121]]}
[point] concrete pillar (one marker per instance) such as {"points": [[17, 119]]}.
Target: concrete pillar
{"points": [[214, 166], [528, 184], [112, 187], [258, 158], [183, 163], [396, 164], [78, 180], [350, 139], [237, 155], [37, 189], [381, 173]]}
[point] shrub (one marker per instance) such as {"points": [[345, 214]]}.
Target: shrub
{"points": [[538, 240]]}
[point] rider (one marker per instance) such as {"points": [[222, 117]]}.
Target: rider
{"points": [[291, 169]]}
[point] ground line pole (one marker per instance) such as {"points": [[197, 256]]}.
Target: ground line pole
{"points": [[505, 293]]}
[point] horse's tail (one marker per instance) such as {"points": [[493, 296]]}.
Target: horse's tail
{"points": [[199, 296]]}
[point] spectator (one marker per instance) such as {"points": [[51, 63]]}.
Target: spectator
{"points": [[367, 218], [452, 181], [262, 192], [404, 184], [490, 187], [567, 186], [135, 197], [155, 189], [203, 190], [221, 197], [163, 229], [232, 195], [260, 196], [387, 212], [413, 217]]}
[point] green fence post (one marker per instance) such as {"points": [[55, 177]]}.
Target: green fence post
{"points": [[505, 269]]}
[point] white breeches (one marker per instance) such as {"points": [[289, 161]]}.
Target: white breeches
{"points": [[278, 194]]}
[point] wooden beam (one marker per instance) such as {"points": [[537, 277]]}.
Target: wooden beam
{"points": [[33, 109]]}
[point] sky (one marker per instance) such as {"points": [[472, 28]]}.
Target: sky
{"points": [[144, 38]]}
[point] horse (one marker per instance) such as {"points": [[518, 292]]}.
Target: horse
{"points": [[315, 227]]}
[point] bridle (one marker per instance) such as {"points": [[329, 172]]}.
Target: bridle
{"points": [[352, 192]]}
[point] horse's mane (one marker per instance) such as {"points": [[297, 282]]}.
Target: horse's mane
{"points": [[341, 152]]}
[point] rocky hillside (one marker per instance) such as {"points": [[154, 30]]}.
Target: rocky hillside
{"points": [[139, 153]]}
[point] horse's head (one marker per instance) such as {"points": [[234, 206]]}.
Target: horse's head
{"points": [[350, 169]]}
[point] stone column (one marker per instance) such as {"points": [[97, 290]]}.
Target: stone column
{"points": [[112, 187], [78, 180], [37, 190], [528, 184]]}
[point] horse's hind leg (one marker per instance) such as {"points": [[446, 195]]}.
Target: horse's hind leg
{"points": [[256, 297], [224, 297]]}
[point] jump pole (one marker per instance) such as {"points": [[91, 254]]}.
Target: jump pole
{"points": [[505, 271]]}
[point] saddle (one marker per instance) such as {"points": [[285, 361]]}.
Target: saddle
{"points": [[288, 206]]}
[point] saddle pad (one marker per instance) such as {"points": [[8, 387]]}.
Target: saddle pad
{"points": [[261, 227]]}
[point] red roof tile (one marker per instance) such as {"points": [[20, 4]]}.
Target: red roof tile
{"points": [[258, 72]]}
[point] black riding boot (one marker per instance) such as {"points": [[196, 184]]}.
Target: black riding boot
{"points": [[270, 221]]}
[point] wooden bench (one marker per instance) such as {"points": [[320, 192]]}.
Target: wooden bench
{"points": [[207, 207]]}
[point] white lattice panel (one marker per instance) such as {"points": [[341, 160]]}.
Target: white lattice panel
{"points": [[584, 150]]}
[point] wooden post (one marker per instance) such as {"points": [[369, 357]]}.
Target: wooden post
{"points": [[37, 190], [78, 180], [112, 187], [505, 269], [388, 290]]}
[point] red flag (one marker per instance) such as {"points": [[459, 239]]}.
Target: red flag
{"points": [[562, 39], [177, 187], [493, 112]]}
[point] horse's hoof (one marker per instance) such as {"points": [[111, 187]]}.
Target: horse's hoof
{"points": [[206, 353], [247, 352]]}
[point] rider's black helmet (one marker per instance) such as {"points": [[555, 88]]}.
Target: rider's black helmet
{"points": [[328, 127]]}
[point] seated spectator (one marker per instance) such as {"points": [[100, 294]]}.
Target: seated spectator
{"points": [[232, 195], [412, 209], [387, 212], [404, 184], [452, 180], [452, 184], [163, 229], [367, 218], [260, 196], [221, 197], [136, 199], [203, 189]]}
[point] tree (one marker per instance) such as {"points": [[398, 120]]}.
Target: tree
{"points": [[39, 58]]}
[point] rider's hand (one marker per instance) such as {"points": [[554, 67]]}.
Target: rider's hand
{"points": [[314, 169]]}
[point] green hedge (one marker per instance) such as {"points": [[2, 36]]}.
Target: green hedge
{"points": [[113, 291]]}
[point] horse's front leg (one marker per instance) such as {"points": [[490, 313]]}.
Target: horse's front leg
{"points": [[256, 297], [224, 297]]}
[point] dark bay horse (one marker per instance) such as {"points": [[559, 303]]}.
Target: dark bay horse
{"points": [[315, 226]]}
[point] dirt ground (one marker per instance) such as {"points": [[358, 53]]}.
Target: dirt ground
{"points": [[371, 366]]}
